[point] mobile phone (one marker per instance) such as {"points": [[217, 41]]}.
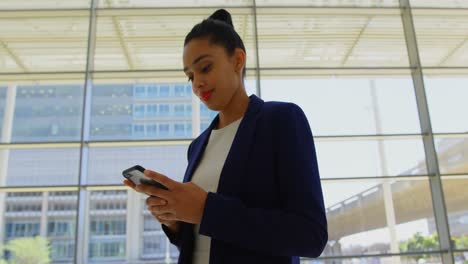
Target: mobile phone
{"points": [[136, 175]]}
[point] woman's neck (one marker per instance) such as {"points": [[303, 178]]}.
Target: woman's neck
{"points": [[235, 109]]}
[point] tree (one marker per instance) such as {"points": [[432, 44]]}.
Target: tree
{"points": [[461, 242], [2, 261], [419, 243], [28, 250]]}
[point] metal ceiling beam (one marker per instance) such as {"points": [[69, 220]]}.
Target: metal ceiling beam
{"points": [[13, 55], [356, 41], [453, 51], [123, 43], [435, 181]]}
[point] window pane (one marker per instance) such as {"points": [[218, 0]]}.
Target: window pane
{"points": [[441, 37], [332, 3], [44, 41], [179, 3], [452, 153], [123, 111], [40, 218], [46, 108], [339, 158], [349, 105], [47, 112], [107, 163], [438, 3], [360, 216], [456, 195], [155, 242], [61, 224], [446, 98], [327, 37], [461, 257], [154, 246], [153, 38], [41, 166], [107, 229], [43, 4]]}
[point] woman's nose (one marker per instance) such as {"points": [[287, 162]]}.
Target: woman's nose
{"points": [[198, 83]]}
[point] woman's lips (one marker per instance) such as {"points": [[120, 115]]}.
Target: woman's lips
{"points": [[206, 95]]}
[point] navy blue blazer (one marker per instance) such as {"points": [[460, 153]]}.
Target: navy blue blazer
{"points": [[269, 205]]}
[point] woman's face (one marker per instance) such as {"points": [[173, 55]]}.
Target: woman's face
{"points": [[215, 75]]}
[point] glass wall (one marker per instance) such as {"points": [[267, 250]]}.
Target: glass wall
{"points": [[91, 87]]}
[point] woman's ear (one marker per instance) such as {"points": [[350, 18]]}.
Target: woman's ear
{"points": [[239, 59]]}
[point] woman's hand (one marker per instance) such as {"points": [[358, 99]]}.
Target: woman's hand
{"points": [[153, 203], [172, 225], [182, 202]]}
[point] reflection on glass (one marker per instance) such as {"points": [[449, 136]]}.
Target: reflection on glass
{"points": [[456, 197], [366, 158], [346, 106], [41, 167], [452, 153], [446, 98], [107, 163], [376, 217], [39, 226], [406, 259], [47, 113]]}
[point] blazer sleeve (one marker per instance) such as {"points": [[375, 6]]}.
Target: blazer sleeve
{"points": [[299, 226], [175, 238]]}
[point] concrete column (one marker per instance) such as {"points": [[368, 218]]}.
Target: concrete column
{"points": [[45, 208], [134, 226], [386, 185]]}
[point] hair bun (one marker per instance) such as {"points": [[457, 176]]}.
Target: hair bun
{"points": [[222, 15]]}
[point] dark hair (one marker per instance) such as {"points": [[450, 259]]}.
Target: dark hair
{"points": [[218, 28]]}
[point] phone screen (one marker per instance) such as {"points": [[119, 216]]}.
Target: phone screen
{"points": [[136, 175]]}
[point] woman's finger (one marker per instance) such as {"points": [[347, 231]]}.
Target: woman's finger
{"points": [[129, 184], [160, 209], [166, 218], [152, 201]]}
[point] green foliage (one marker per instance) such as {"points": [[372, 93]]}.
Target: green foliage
{"points": [[461, 242], [419, 243], [28, 250], [2, 261]]}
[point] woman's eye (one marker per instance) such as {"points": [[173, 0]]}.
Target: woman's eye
{"points": [[206, 68]]}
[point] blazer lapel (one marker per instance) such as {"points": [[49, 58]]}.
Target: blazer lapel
{"points": [[236, 161], [198, 150], [238, 153]]}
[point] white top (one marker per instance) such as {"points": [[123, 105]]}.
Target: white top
{"points": [[207, 177]]}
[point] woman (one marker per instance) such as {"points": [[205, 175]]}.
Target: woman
{"points": [[251, 192]]}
